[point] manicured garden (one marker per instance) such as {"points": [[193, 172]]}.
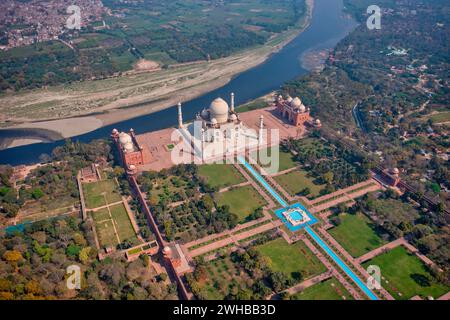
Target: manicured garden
{"points": [[220, 175], [286, 159], [356, 234], [101, 193], [330, 289], [106, 227], [404, 275], [106, 234], [243, 201], [293, 260], [123, 223], [297, 181]]}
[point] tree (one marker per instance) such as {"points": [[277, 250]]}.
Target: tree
{"points": [[84, 255], [328, 177], [13, 257]]}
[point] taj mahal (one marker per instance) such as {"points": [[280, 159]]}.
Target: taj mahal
{"points": [[218, 131]]}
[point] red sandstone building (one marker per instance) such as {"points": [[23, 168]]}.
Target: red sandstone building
{"points": [[295, 112], [131, 152]]}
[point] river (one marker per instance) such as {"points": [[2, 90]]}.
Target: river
{"points": [[328, 25]]}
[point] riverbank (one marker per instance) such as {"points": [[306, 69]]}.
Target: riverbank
{"points": [[83, 107]]}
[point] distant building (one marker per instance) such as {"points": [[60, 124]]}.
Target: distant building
{"points": [[295, 112], [89, 174]]}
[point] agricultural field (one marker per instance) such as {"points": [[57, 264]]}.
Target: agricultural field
{"points": [[330, 289], [101, 193], [243, 201], [440, 117], [404, 275], [165, 32], [297, 181], [220, 175], [356, 234], [295, 260]]}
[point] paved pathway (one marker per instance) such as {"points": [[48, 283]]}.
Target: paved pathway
{"points": [[235, 238]]}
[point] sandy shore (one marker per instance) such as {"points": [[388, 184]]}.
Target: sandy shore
{"points": [[115, 100]]}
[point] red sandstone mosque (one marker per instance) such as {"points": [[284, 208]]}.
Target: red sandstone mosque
{"points": [[295, 112]]}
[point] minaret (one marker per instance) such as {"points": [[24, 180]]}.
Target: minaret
{"points": [[180, 116], [232, 102], [261, 128], [203, 144]]}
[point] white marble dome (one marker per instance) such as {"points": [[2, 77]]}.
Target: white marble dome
{"points": [[128, 147], [302, 108], [218, 109], [233, 117], [289, 99], [214, 121], [296, 103], [124, 138]]}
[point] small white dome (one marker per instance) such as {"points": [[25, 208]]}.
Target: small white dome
{"points": [[296, 103], [214, 121], [233, 117], [318, 122], [124, 138], [204, 114], [289, 99], [395, 171], [115, 131], [167, 251], [132, 167], [302, 108]]}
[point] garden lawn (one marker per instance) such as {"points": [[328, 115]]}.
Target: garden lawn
{"points": [[101, 193], [330, 289], [101, 215], [356, 235], [123, 223], [296, 181], [243, 201], [404, 275], [291, 259], [220, 175], [106, 235], [286, 159]]}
